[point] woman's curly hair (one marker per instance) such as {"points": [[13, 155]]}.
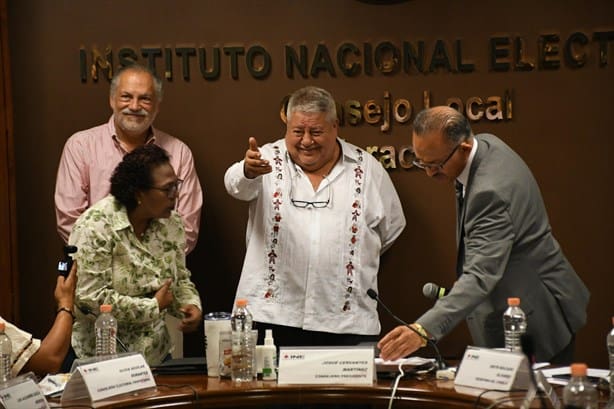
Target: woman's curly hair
{"points": [[133, 173]]}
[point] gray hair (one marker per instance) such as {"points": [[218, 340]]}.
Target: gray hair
{"points": [[312, 100], [137, 68], [446, 120]]}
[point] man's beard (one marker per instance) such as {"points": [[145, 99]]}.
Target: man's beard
{"points": [[133, 123]]}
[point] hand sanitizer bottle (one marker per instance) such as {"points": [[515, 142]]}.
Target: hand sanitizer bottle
{"points": [[269, 353]]}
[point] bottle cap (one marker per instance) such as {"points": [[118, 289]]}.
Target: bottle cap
{"points": [[578, 369], [268, 337], [106, 308], [2, 326], [241, 302], [513, 301]]}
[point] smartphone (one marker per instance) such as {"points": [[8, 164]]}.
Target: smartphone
{"points": [[65, 264]]}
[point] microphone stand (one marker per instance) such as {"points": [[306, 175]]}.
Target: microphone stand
{"points": [[526, 342]]}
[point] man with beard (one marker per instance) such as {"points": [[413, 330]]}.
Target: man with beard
{"points": [[90, 156]]}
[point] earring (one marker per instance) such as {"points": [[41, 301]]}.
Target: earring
{"points": [[138, 202]]}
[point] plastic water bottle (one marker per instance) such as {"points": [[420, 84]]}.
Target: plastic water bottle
{"points": [[579, 393], [243, 347], [514, 324], [106, 331], [5, 354], [610, 343]]}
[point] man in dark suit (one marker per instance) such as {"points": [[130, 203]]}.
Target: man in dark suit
{"points": [[505, 246]]}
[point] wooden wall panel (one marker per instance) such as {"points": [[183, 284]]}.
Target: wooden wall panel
{"points": [[9, 286], [561, 124]]}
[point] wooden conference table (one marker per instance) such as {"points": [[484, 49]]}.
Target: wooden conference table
{"points": [[200, 391]]}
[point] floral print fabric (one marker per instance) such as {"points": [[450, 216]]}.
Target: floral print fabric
{"points": [[117, 268]]}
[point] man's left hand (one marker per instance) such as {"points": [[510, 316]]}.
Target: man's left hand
{"points": [[399, 343]]}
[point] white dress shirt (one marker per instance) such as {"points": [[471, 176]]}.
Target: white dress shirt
{"points": [[463, 178], [311, 267]]}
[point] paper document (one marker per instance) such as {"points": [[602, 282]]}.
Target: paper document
{"points": [[53, 385], [560, 376], [407, 363]]}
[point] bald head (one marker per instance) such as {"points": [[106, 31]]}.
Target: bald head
{"points": [[442, 120]]}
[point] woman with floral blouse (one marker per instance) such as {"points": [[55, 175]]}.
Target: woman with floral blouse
{"points": [[131, 255]]}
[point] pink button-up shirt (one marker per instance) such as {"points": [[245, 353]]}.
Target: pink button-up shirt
{"points": [[88, 161]]}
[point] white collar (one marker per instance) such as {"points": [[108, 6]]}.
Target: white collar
{"points": [[463, 178]]}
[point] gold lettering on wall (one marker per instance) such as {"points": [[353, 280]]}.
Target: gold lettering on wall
{"points": [[100, 61], [351, 59]]}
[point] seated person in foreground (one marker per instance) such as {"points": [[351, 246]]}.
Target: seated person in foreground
{"points": [[46, 356], [131, 255]]}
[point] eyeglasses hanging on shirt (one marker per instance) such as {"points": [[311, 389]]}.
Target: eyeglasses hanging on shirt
{"points": [[317, 204], [295, 173]]}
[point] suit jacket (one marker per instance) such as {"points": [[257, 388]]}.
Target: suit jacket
{"points": [[508, 250]]}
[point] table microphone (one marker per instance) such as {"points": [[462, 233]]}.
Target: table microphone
{"points": [[528, 348], [440, 362], [434, 292]]}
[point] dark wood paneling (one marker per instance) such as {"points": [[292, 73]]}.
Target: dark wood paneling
{"points": [[9, 286], [561, 126]]}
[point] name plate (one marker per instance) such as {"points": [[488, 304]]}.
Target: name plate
{"points": [[22, 393], [493, 369], [103, 379], [326, 365]]}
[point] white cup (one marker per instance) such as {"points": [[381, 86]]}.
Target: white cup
{"points": [[214, 323]]}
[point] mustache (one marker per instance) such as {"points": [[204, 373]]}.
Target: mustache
{"points": [[140, 112], [309, 147]]}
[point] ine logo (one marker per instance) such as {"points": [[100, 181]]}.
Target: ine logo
{"points": [[293, 357]]}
